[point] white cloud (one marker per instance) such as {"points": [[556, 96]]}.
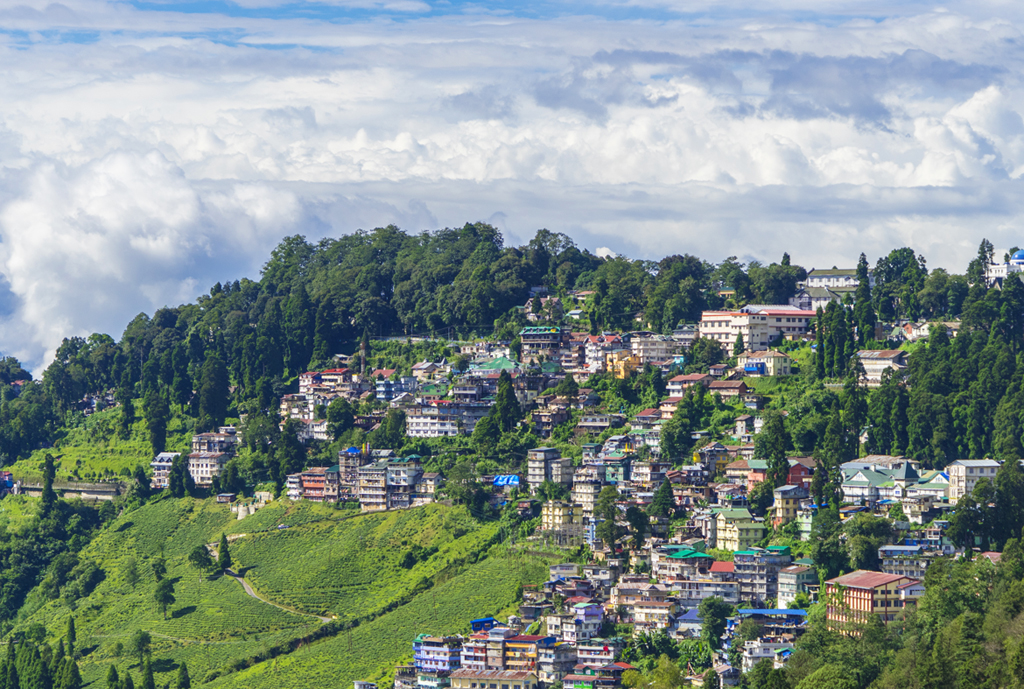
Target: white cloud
{"points": [[161, 151]]}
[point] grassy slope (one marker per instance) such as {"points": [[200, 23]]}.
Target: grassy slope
{"points": [[327, 558], [372, 648], [93, 450]]}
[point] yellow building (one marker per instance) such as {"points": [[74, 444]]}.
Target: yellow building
{"points": [[854, 597], [621, 364], [764, 363], [555, 514], [737, 529], [787, 504]]}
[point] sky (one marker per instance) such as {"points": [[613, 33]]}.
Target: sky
{"points": [[149, 148]]}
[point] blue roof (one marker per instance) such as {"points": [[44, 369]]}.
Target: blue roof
{"points": [[1018, 256], [506, 480], [771, 611], [690, 616]]}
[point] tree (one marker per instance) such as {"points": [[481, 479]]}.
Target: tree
{"points": [[164, 595], [713, 612], [737, 346], [182, 680], [71, 637], [158, 413], [140, 643], [142, 484], [147, 675], [771, 445], [486, 435], [201, 560], [639, 523], [127, 417], [605, 508], [664, 503], [506, 411], [223, 555], [159, 568], [863, 309], [49, 498], [113, 680], [213, 394], [340, 417]]}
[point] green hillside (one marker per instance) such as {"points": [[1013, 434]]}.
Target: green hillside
{"points": [[328, 561], [91, 449], [485, 589]]}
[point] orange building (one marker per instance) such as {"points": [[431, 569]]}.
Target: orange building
{"points": [[854, 597]]}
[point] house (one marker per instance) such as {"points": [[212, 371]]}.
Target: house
{"points": [[203, 466], [744, 426], [547, 464], [906, 560], [878, 361], [161, 465], [764, 363], [678, 385], [557, 514], [650, 347], [814, 298], [787, 503], [545, 309], [757, 571], [728, 388], [762, 649], [965, 473], [542, 341], [853, 597], [794, 580], [622, 363], [737, 529], [836, 277], [424, 370], [757, 324]]}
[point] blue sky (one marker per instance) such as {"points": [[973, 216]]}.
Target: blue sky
{"points": [[150, 149]]}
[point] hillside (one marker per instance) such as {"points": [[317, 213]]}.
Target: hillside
{"points": [[328, 561]]}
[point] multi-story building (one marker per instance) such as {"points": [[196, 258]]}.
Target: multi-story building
{"points": [[389, 389], [161, 465], [437, 653], [622, 363], [794, 580], [349, 462], [691, 592], [764, 363], [203, 466], [224, 440], [906, 560], [542, 341], [557, 514], [496, 679], [496, 639], [584, 624], [651, 347], [758, 325], [372, 486], [522, 653], [760, 649], [965, 473], [737, 529], [555, 661], [836, 277], [854, 597], [584, 494], [600, 652], [878, 361], [402, 477], [473, 655], [787, 504], [547, 464], [654, 614], [648, 474], [301, 406], [757, 571]]}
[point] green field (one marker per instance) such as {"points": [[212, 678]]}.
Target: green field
{"points": [[92, 449], [372, 648], [328, 561]]}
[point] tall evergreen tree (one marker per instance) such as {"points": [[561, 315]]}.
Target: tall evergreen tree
{"points": [[113, 679], [864, 309], [71, 636], [182, 680], [819, 346], [223, 555], [157, 415], [771, 445], [737, 346], [49, 497], [506, 410], [663, 504], [213, 394]]}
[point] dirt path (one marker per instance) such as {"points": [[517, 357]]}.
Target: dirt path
{"points": [[212, 547], [248, 589]]}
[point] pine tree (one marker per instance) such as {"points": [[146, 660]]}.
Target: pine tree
{"points": [[181, 387], [126, 681], [863, 309], [182, 681], [49, 498], [164, 595], [301, 325], [113, 680], [158, 414], [127, 418], [663, 503], [223, 554], [213, 394], [323, 333], [506, 411], [819, 349], [770, 445], [737, 346], [147, 676], [71, 636]]}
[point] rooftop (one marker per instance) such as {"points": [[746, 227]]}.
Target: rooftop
{"points": [[863, 579]]}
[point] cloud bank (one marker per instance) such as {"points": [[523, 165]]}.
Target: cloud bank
{"points": [[149, 149]]}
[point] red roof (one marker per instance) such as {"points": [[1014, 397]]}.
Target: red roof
{"points": [[649, 412], [864, 579], [723, 567], [688, 377], [672, 400]]}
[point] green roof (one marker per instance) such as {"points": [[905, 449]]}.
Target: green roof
{"points": [[736, 513], [501, 363], [757, 464], [688, 555]]}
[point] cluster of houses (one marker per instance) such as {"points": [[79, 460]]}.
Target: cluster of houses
{"points": [[210, 453]]}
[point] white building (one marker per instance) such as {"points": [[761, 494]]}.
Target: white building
{"points": [[651, 347], [877, 361], [964, 475], [758, 324], [161, 465], [995, 273]]}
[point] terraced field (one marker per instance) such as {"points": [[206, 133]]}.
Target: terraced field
{"points": [[364, 652], [327, 560]]}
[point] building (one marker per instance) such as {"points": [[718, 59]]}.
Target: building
{"points": [[547, 464], [436, 653], [161, 465], [737, 529], [757, 571], [678, 385], [765, 363], [878, 361], [203, 466], [728, 388], [836, 277], [762, 649], [996, 273], [557, 514], [651, 347], [622, 363], [388, 389], [853, 597], [794, 580], [600, 652], [492, 679], [964, 475], [906, 560], [787, 503], [759, 325], [372, 486], [555, 661], [542, 341]]}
